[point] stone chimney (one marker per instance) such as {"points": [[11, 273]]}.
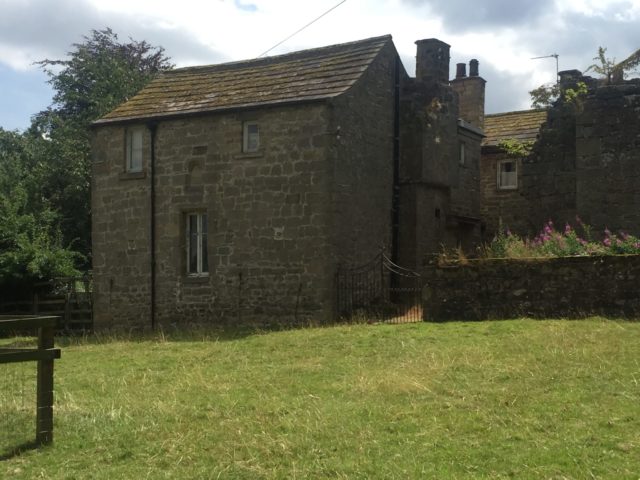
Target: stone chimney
{"points": [[470, 92], [569, 79], [432, 61]]}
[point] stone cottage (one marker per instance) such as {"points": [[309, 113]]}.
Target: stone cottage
{"points": [[231, 193], [584, 161]]}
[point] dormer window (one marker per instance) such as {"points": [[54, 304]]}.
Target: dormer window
{"points": [[250, 137], [134, 150]]}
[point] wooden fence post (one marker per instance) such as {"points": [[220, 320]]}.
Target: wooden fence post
{"points": [[44, 416]]}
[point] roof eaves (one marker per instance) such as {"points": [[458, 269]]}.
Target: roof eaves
{"points": [[198, 112]]}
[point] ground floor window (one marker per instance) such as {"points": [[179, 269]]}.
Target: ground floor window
{"points": [[507, 175], [197, 257]]}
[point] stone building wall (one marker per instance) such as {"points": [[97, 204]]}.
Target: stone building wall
{"points": [[465, 184], [608, 158], [428, 156], [464, 210], [361, 182], [268, 216], [548, 179], [120, 232], [554, 287]]}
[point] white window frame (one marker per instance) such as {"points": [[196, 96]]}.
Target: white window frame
{"points": [[250, 140], [507, 180], [201, 244], [134, 150]]}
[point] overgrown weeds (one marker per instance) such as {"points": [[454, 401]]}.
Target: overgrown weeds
{"points": [[549, 243]]}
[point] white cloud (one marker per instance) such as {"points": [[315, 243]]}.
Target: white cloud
{"points": [[199, 32], [20, 59]]}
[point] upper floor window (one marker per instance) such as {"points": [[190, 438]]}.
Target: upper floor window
{"points": [[462, 154], [134, 150], [507, 175], [250, 137], [197, 256]]}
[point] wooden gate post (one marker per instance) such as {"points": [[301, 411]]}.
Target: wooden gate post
{"points": [[45, 354]]}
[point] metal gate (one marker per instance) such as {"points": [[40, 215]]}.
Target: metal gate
{"points": [[379, 291]]}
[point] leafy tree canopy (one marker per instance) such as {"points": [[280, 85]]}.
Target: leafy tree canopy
{"points": [[100, 73], [30, 240], [45, 172]]}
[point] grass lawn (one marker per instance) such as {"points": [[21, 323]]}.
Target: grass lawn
{"points": [[521, 399]]}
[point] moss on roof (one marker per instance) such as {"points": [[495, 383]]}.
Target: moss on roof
{"points": [[522, 126], [305, 75]]}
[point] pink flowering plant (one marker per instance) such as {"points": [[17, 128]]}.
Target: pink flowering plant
{"points": [[567, 242]]}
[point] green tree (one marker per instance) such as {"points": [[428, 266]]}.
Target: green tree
{"points": [[605, 67], [30, 240], [609, 70], [98, 74], [544, 96]]}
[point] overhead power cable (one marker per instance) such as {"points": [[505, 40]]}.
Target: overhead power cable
{"points": [[301, 29]]}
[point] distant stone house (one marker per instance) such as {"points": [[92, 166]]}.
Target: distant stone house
{"points": [[231, 193], [584, 162]]}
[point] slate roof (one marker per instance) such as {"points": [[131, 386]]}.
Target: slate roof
{"points": [[306, 75], [522, 126]]}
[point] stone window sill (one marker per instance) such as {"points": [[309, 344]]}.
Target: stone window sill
{"points": [[196, 279], [132, 175], [243, 156]]}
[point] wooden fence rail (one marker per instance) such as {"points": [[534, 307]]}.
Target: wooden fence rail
{"points": [[67, 298], [45, 354]]}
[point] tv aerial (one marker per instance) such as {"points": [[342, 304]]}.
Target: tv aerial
{"points": [[553, 55]]}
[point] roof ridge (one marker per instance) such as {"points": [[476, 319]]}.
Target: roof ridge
{"points": [[258, 61], [514, 112]]}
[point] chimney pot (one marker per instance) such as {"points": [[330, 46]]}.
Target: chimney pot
{"points": [[473, 68], [461, 70], [470, 92]]}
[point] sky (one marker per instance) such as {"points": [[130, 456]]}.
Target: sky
{"points": [[503, 35]]}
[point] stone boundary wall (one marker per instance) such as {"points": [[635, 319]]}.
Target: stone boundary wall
{"points": [[542, 287]]}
